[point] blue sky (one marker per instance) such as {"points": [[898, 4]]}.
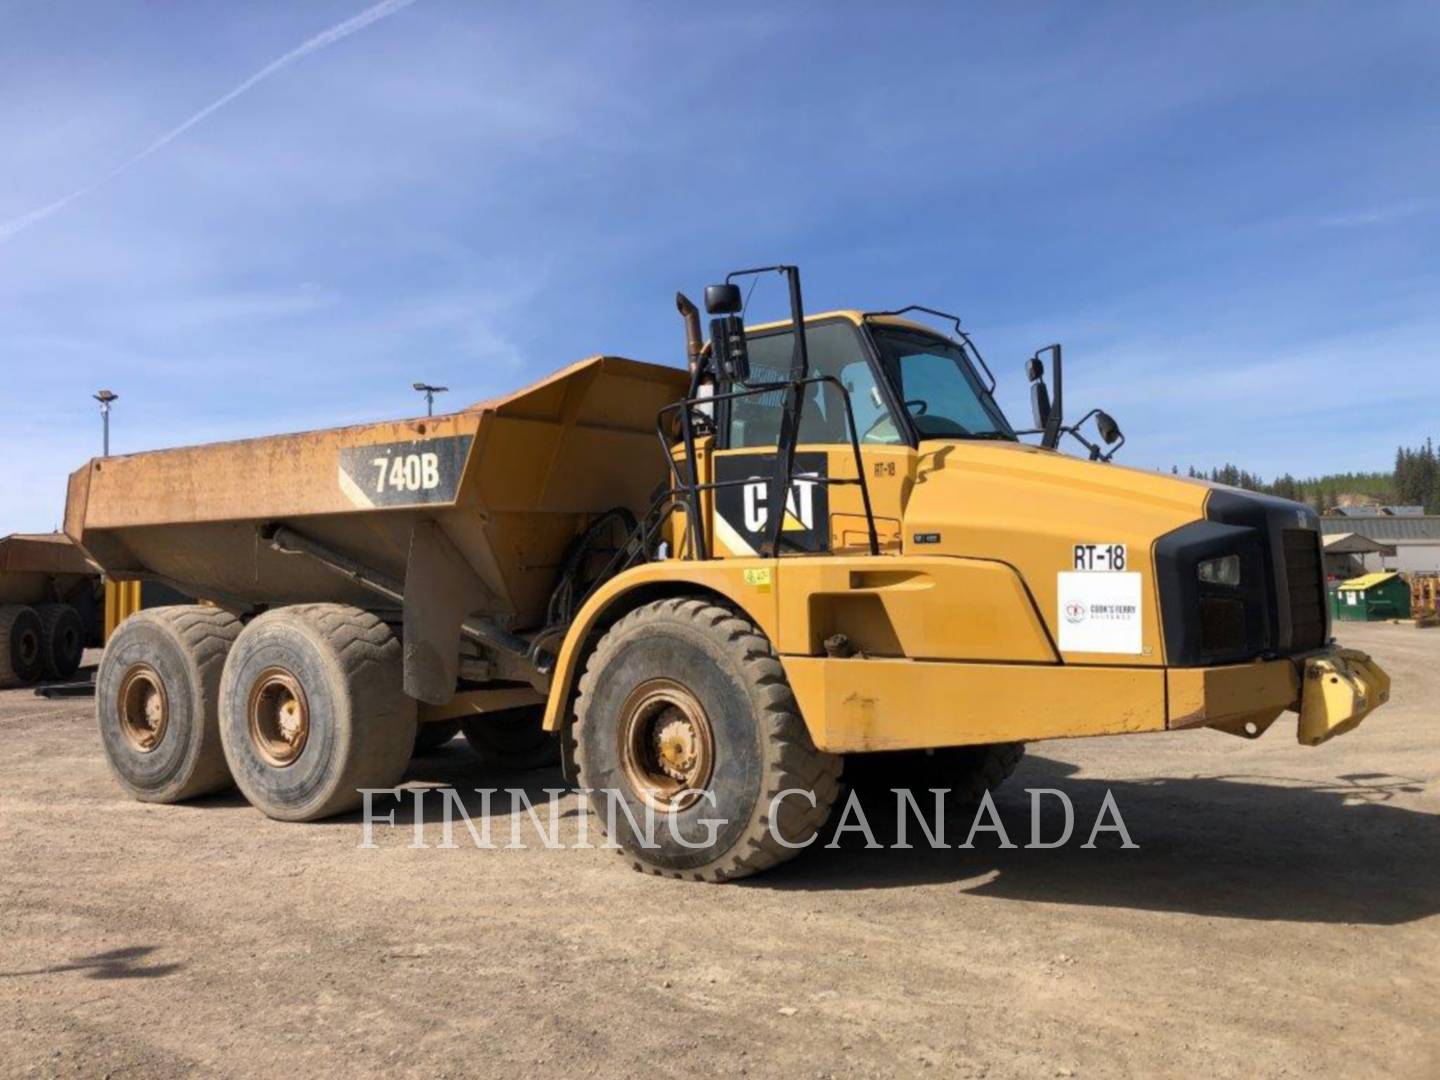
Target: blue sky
{"points": [[1229, 213]]}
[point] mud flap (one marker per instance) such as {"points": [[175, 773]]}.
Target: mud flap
{"points": [[1338, 690], [441, 589]]}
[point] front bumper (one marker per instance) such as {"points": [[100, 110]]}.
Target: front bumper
{"points": [[856, 704], [1340, 688], [1332, 689]]}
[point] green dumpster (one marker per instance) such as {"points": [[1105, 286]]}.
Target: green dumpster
{"points": [[1373, 596]]}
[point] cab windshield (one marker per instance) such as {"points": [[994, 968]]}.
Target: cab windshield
{"points": [[938, 385]]}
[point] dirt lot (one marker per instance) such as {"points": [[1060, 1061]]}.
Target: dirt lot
{"points": [[1279, 917]]}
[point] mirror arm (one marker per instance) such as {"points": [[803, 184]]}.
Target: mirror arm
{"points": [[1055, 425]]}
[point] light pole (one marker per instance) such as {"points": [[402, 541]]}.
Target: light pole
{"points": [[105, 397], [430, 392]]}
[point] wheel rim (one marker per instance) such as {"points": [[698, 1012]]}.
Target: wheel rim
{"points": [[667, 747], [69, 644], [279, 717], [143, 708], [28, 647]]}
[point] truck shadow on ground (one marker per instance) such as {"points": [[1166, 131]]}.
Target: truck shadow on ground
{"points": [[1230, 847], [455, 770], [1237, 847]]}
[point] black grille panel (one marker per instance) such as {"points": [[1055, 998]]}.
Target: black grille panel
{"points": [[1307, 588]]}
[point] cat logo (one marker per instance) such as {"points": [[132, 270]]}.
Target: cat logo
{"points": [[742, 511], [799, 507]]}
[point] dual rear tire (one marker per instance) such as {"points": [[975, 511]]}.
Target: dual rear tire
{"points": [[301, 709], [311, 710], [41, 642]]}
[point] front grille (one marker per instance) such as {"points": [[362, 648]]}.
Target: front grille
{"points": [[1307, 588], [1222, 625]]}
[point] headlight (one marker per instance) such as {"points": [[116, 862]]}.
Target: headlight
{"points": [[1222, 571]]}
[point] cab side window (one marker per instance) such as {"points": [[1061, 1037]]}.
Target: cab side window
{"points": [[835, 349]]}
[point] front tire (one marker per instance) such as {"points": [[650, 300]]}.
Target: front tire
{"points": [[156, 697], [312, 710], [684, 696], [967, 772], [513, 738]]}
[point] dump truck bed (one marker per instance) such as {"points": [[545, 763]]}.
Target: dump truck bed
{"points": [[35, 566], [509, 482]]}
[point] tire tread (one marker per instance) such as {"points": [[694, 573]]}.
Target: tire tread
{"points": [[793, 760]]}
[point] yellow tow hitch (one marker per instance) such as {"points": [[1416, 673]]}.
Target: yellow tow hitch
{"points": [[1340, 688]]}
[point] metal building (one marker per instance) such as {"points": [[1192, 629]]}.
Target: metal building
{"points": [[1415, 538]]}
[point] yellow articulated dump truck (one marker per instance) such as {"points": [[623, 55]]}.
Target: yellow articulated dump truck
{"points": [[702, 590], [49, 607]]}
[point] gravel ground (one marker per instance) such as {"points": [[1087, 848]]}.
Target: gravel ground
{"points": [[1279, 917]]}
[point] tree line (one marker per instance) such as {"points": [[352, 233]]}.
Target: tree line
{"points": [[1415, 481]]}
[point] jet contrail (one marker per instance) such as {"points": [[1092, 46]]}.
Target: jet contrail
{"points": [[315, 44]]}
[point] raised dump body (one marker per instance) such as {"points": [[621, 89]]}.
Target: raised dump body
{"points": [[49, 607], [505, 484]]}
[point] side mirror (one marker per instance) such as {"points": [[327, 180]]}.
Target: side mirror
{"points": [[723, 299], [1105, 424], [1039, 402], [1034, 369]]}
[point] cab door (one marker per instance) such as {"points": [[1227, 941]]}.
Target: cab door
{"points": [[820, 516]]}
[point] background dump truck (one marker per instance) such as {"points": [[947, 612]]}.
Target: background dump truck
{"points": [[49, 607], [713, 586]]}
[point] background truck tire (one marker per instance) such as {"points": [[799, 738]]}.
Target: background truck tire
{"points": [[155, 700], [513, 738], [967, 771], [312, 710], [20, 637], [648, 676], [430, 737], [62, 640]]}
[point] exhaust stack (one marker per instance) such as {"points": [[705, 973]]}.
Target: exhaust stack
{"points": [[691, 314]]}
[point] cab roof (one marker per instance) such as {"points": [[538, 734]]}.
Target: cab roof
{"points": [[856, 317]]}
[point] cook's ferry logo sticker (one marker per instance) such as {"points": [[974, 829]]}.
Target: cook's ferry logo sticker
{"points": [[1098, 611]]}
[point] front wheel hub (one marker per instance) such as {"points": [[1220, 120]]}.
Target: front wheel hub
{"points": [[667, 747]]}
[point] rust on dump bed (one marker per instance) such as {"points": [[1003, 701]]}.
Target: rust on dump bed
{"points": [[509, 482]]}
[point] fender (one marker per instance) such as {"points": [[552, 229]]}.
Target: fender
{"points": [[751, 585]]}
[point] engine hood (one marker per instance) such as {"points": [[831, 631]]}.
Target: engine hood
{"points": [[1032, 509]]}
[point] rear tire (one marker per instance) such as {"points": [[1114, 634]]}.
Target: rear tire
{"points": [[155, 700], [681, 695], [513, 738], [20, 652], [430, 737], [62, 640], [312, 710]]}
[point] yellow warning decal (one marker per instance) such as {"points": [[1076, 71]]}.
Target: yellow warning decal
{"points": [[758, 577]]}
